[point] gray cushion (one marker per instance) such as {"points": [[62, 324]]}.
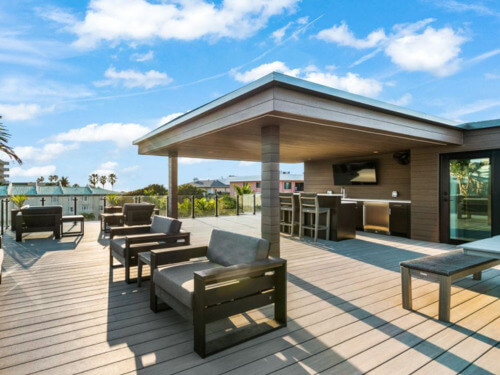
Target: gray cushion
{"points": [[118, 246], [178, 280], [164, 224], [227, 248]]}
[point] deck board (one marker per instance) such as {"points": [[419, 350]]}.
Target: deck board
{"points": [[63, 311]]}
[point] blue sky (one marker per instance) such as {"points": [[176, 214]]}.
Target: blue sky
{"points": [[79, 80]]}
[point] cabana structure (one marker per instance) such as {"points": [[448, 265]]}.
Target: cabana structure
{"points": [[284, 119]]}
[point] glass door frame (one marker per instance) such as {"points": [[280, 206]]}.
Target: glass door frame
{"points": [[444, 191]]}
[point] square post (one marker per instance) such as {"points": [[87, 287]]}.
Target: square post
{"points": [[172, 207], [270, 157]]}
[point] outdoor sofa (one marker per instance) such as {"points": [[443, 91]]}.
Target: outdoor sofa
{"points": [[236, 275], [163, 232], [130, 214], [38, 219]]}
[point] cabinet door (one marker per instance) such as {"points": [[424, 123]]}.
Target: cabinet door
{"points": [[399, 223]]}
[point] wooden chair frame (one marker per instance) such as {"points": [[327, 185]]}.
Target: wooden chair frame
{"points": [[135, 236], [254, 285]]}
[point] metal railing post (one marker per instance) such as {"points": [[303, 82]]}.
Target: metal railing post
{"points": [[75, 199], [7, 215], [254, 209], [1, 217], [216, 205], [237, 205], [192, 207], [104, 203], [43, 201], [139, 199]]}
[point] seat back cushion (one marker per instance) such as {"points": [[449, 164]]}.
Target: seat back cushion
{"points": [[138, 213], [164, 224], [228, 248], [41, 217]]}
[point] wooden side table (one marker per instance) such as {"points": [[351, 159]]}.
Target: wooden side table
{"points": [[76, 219]]}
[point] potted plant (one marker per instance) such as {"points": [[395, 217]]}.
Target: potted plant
{"points": [[18, 201]]}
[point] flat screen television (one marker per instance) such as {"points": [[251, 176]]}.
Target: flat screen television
{"points": [[355, 173]]}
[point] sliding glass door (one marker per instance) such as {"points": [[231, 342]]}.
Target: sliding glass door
{"points": [[466, 197]]}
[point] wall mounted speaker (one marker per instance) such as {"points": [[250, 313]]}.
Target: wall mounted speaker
{"points": [[402, 157]]}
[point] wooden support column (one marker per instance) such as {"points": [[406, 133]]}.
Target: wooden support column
{"points": [[172, 207], [270, 157]]}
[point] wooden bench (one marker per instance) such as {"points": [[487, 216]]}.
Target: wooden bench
{"points": [[445, 269]]}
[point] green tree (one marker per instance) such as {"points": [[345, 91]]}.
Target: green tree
{"points": [[19, 200], [76, 185], [242, 190], [53, 178], [112, 179], [153, 189], [4, 147], [188, 189], [103, 180], [467, 174], [93, 179], [64, 181], [40, 179]]}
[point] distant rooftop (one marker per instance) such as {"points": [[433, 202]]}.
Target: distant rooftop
{"points": [[480, 124], [34, 188], [209, 183]]}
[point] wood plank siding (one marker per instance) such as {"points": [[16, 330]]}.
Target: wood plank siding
{"points": [[318, 177]]}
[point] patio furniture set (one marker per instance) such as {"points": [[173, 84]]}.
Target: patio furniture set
{"points": [[231, 275], [45, 219]]}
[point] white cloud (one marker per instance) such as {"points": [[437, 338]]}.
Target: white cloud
{"points": [[278, 35], [132, 168], [434, 51], [120, 134], [190, 161], [24, 89], [485, 56], [109, 165], [132, 78], [467, 109], [351, 82], [45, 153], [264, 69], [170, 117], [141, 57], [456, 6], [343, 36], [492, 76], [409, 46], [123, 20], [246, 163], [33, 171], [22, 111], [403, 100]]}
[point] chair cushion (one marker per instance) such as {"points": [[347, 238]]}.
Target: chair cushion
{"points": [[227, 248], [164, 224], [118, 246], [178, 281]]}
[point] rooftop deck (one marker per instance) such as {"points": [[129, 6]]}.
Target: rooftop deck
{"points": [[61, 311]]}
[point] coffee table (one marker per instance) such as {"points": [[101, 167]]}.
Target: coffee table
{"points": [[489, 247]]}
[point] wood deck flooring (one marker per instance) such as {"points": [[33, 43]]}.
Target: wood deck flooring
{"points": [[63, 312]]}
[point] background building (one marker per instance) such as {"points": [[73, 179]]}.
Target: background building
{"points": [[211, 186], [4, 175], [289, 183]]}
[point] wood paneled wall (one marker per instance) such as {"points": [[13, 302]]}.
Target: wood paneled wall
{"points": [[425, 180], [318, 177]]}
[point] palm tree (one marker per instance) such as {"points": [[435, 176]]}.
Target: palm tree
{"points": [[103, 180], [112, 179], [64, 181], [242, 190], [4, 147], [93, 179], [53, 178], [40, 179], [76, 185]]}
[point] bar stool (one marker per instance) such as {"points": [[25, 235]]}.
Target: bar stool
{"points": [[287, 211], [309, 204]]}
